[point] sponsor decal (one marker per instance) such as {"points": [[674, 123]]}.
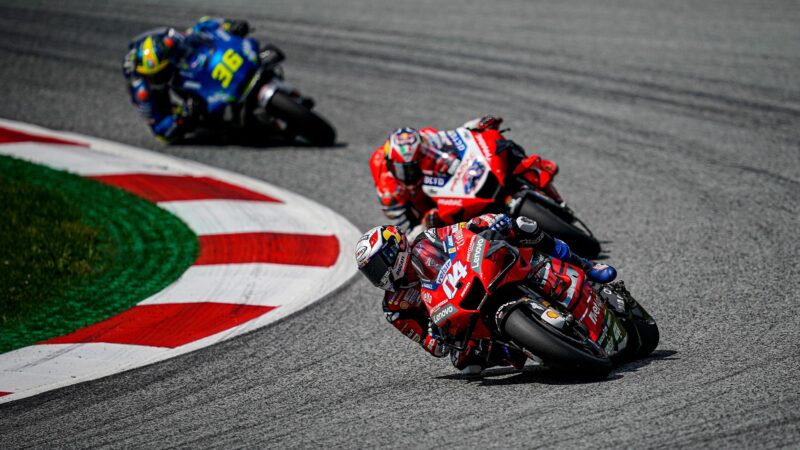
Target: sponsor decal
{"points": [[429, 286], [443, 271], [428, 180], [247, 49], [552, 314], [373, 238], [458, 143], [443, 314], [412, 297], [476, 257], [473, 175], [484, 148], [451, 247], [459, 235], [450, 202], [400, 264], [391, 232], [427, 297], [405, 138], [595, 310], [362, 251], [385, 284], [466, 287]]}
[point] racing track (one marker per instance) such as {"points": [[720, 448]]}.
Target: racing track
{"points": [[676, 126]]}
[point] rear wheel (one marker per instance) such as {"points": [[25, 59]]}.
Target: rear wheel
{"points": [[301, 121], [578, 240], [571, 353]]}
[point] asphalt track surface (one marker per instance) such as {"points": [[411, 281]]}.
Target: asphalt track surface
{"points": [[676, 128]]}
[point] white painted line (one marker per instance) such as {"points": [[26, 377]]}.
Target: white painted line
{"points": [[249, 284], [242, 216], [77, 160], [44, 367]]}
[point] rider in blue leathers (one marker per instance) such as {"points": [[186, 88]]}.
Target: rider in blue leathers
{"points": [[150, 64]]}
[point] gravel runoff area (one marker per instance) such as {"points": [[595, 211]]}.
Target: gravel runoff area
{"points": [[676, 128]]}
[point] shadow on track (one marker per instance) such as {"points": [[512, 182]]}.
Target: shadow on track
{"points": [[545, 375], [243, 138]]}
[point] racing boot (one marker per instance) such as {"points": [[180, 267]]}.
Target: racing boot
{"points": [[471, 361], [599, 273], [508, 356]]}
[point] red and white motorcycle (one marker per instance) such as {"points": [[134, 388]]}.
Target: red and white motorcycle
{"points": [[482, 182]]}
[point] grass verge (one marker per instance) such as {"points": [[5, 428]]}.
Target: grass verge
{"points": [[74, 251]]}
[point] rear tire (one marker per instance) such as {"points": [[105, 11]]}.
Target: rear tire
{"points": [[301, 121], [555, 348], [578, 240], [647, 331]]}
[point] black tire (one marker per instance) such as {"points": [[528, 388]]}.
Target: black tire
{"points": [[556, 349], [578, 240], [643, 334], [301, 121], [648, 336]]}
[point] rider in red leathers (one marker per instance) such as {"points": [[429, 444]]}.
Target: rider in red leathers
{"points": [[399, 164], [393, 264]]}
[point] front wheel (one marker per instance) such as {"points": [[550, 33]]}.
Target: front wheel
{"points": [[300, 120], [575, 354], [578, 240]]}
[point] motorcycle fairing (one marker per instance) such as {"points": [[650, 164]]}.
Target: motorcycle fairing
{"points": [[455, 195], [219, 70]]}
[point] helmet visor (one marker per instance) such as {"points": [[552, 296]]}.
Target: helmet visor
{"points": [[407, 172], [379, 269]]}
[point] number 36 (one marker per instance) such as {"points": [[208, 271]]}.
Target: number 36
{"points": [[224, 70]]}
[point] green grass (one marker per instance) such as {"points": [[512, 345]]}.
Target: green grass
{"points": [[44, 248], [74, 251]]}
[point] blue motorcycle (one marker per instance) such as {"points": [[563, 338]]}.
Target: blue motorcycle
{"points": [[232, 84]]}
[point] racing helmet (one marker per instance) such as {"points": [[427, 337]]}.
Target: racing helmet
{"points": [[151, 58], [382, 255], [403, 154]]}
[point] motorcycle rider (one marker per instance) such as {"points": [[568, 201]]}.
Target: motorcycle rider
{"points": [[399, 164], [397, 266], [152, 59]]}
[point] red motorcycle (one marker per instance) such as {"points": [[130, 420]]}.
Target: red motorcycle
{"points": [[482, 183], [476, 289]]}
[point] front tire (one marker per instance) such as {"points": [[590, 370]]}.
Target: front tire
{"points": [[579, 241], [301, 121], [571, 354]]}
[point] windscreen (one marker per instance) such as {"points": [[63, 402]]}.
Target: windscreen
{"points": [[428, 259]]}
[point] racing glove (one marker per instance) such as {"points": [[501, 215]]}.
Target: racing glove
{"points": [[447, 162], [500, 223], [434, 346], [484, 123], [431, 219]]}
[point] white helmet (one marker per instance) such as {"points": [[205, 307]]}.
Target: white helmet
{"points": [[382, 255]]}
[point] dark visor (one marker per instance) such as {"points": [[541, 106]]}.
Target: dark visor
{"points": [[408, 172], [379, 266]]}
